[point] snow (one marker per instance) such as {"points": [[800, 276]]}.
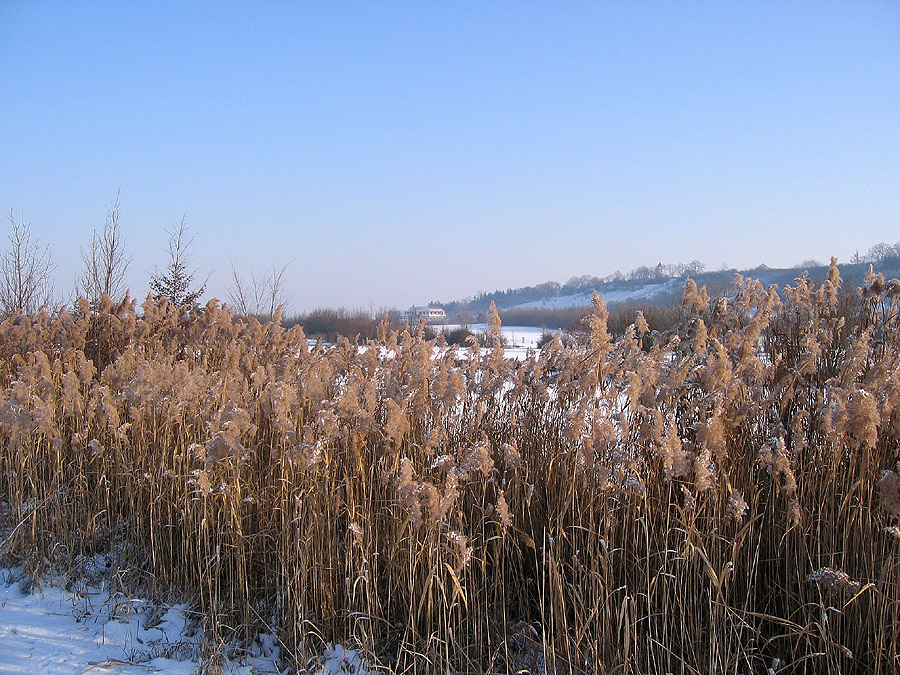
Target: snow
{"points": [[48, 630], [519, 339], [341, 661], [646, 291], [515, 336], [522, 336]]}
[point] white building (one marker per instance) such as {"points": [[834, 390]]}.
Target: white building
{"points": [[429, 313]]}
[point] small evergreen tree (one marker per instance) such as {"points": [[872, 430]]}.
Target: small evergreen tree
{"points": [[176, 281]]}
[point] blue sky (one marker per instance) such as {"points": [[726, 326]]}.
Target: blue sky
{"points": [[397, 153]]}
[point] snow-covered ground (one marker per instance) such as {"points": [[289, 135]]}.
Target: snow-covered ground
{"points": [[515, 336], [647, 291], [51, 631], [519, 339], [521, 336]]}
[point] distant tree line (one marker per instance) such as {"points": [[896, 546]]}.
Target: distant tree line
{"points": [[880, 253], [357, 325], [575, 321]]}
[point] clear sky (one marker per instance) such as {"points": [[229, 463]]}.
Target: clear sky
{"points": [[397, 153]]}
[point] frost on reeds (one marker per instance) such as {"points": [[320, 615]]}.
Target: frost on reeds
{"points": [[657, 502], [889, 486], [835, 581], [774, 459]]}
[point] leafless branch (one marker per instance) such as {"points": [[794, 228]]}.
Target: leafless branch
{"points": [[105, 262], [26, 284], [262, 296]]}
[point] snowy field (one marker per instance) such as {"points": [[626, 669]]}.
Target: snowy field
{"points": [[647, 292], [49, 631], [519, 339]]}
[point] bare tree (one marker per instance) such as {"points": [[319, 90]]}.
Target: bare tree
{"points": [[464, 319], [881, 252], [245, 297], [694, 267], [26, 284], [677, 269], [642, 273], [262, 295], [808, 264], [105, 262], [176, 281]]}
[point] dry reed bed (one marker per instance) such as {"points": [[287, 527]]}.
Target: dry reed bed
{"points": [[723, 500]]}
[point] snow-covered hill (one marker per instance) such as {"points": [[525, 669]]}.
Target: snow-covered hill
{"points": [[649, 292], [578, 292]]}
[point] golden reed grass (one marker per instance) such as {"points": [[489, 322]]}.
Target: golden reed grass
{"points": [[722, 498]]}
